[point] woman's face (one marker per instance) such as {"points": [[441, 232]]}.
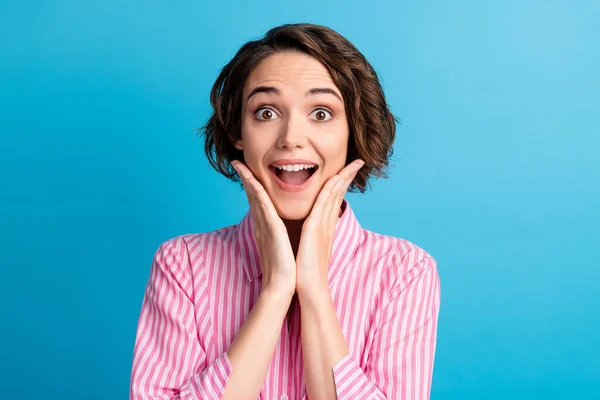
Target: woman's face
{"points": [[293, 117]]}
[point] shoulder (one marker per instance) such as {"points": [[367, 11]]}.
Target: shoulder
{"points": [[190, 250], [405, 261]]}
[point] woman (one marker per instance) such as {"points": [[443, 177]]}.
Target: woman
{"points": [[297, 300]]}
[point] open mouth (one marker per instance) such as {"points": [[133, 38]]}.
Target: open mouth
{"points": [[291, 178]]}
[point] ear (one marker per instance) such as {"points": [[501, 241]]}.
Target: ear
{"points": [[238, 144]]}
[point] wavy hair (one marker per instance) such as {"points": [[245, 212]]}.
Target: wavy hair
{"points": [[372, 124]]}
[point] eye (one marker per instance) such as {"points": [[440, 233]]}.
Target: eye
{"points": [[321, 114], [265, 114]]}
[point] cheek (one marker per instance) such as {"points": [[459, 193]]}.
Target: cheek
{"points": [[258, 135], [254, 143], [334, 151], [255, 149]]}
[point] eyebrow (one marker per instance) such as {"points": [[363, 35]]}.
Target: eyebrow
{"points": [[311, 92]]}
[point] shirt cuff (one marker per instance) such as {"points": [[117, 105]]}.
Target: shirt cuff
{"points": [[350, 380], [210, 384]]}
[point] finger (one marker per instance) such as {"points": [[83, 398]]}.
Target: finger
{"points": [[317, 213], [340, 189], [333, 191], [247, 179], [349, 172], [260, 203], [261, 214]]}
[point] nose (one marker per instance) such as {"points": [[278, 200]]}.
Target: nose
{"points": [[293, 133]]}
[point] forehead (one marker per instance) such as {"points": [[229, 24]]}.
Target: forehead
{"points": [[289, 68]]}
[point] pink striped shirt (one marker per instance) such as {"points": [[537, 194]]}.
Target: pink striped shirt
{"points": [[385, 290]]}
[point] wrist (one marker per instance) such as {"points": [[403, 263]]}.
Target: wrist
{"points": [[314, 294], [313, 287], [277, 292]]}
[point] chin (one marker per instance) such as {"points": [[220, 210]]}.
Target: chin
{"points": [[294, 210]]}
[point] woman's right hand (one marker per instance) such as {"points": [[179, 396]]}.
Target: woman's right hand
{"points": [[277, 260]]}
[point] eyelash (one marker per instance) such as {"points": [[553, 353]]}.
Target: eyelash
{"points": [[264, 106]]}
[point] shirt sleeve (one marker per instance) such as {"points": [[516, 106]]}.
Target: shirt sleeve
{"points": [[400, 364], [169, 362]]}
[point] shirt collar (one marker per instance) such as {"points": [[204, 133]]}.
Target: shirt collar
{"points": [[347, 237]]}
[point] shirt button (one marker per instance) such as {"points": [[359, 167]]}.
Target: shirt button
{"points": [[284, 397]]}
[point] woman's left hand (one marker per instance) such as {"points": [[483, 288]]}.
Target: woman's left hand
{"points": [[316, 241]]}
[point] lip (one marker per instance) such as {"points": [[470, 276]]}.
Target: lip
{"points": [[288, 187], [290, 161]]}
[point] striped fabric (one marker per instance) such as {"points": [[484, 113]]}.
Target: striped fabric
{"points": [[385, 290]]}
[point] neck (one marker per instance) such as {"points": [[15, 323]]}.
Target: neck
{"points": [[294, 230]]}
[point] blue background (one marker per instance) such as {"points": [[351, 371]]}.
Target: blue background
{"points": [[495, 173]]}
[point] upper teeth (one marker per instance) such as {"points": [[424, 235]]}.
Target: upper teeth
{"points": [[295, 167]]}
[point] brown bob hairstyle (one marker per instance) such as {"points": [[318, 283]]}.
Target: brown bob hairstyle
{"points": [[372, 125]]}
